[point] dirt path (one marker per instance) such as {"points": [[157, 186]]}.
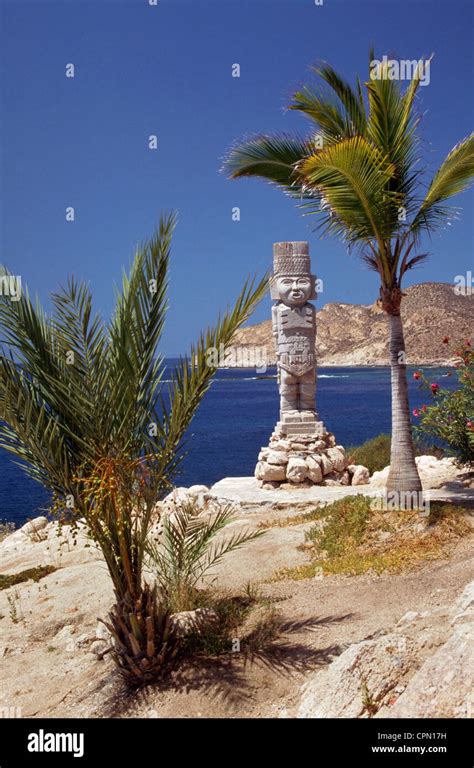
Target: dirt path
{"points": [[47, 670], [319, 620]]}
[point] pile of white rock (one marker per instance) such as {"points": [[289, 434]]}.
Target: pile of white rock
{"points": [[197, 499], [305, 460]]}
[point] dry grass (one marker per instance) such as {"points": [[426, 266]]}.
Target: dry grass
{"points": [[37, 573], [305, 517], [355, 539]]}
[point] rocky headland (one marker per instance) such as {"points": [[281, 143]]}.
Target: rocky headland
{"points": [[357, 335]]}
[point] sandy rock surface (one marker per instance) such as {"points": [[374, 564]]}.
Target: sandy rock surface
{"points": [[331, 629], [424, 668]]}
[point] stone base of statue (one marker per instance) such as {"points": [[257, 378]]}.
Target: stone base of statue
{"points": [[299, 423], [301, 452]]}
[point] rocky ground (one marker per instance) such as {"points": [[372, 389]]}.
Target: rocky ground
{"points": [[347, 646]]}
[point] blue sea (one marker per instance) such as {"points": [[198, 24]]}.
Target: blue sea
{"points": [[236, 418]]}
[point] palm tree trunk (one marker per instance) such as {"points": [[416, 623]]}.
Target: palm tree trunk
{"points": [[403, 475]]}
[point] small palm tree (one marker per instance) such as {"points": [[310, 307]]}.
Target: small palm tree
{"points": [[188, 550], [357, 171], [83, 409]]}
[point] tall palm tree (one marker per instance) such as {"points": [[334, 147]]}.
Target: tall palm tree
{"points": [[84, 409], [357, 171]]}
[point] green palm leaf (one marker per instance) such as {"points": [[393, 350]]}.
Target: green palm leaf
{"points": [[352, 177], [453, 176], [392, 124], [352, 102], [270, 157]]}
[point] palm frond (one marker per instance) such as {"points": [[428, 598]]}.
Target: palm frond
{"points": [[352, 177], [135, 331], [353, 103], [418, 259], [372, 261], [326, 112], [269, 157], [392, 124], [454, 175]]}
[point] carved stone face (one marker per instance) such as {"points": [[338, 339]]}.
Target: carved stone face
{"points": [[294, 291]]}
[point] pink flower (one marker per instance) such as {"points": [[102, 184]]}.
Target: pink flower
{"points": [[434, 388], [423, 408], [416, 412], [469, 425], [417, 375]]}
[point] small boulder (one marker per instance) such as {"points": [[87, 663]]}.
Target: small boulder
{"points": [[326, 464], [320, 445], [360, 474], [337, 456], [315, 473], [297, 470], [176, 495], [379, 479], [269, 472], [280, 458], [196, 490], [345, 478], [281, 445], [33, 527], [66, 638]]}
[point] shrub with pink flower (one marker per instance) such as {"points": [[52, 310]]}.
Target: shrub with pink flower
{"points": [[450, 417]]}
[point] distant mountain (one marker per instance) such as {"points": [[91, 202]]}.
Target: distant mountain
{"points": [[355, 334]]}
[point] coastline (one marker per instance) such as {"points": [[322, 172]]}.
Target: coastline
{"points": [[338, 364]]}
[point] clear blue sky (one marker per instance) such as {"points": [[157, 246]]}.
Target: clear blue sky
{"points": [[166, 70]]}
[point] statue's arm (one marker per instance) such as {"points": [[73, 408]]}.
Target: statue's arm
{"points": [[275, 325], [275, 320]]}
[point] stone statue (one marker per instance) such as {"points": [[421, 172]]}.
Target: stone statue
{"points": [[301, 451], [294, 331]]}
